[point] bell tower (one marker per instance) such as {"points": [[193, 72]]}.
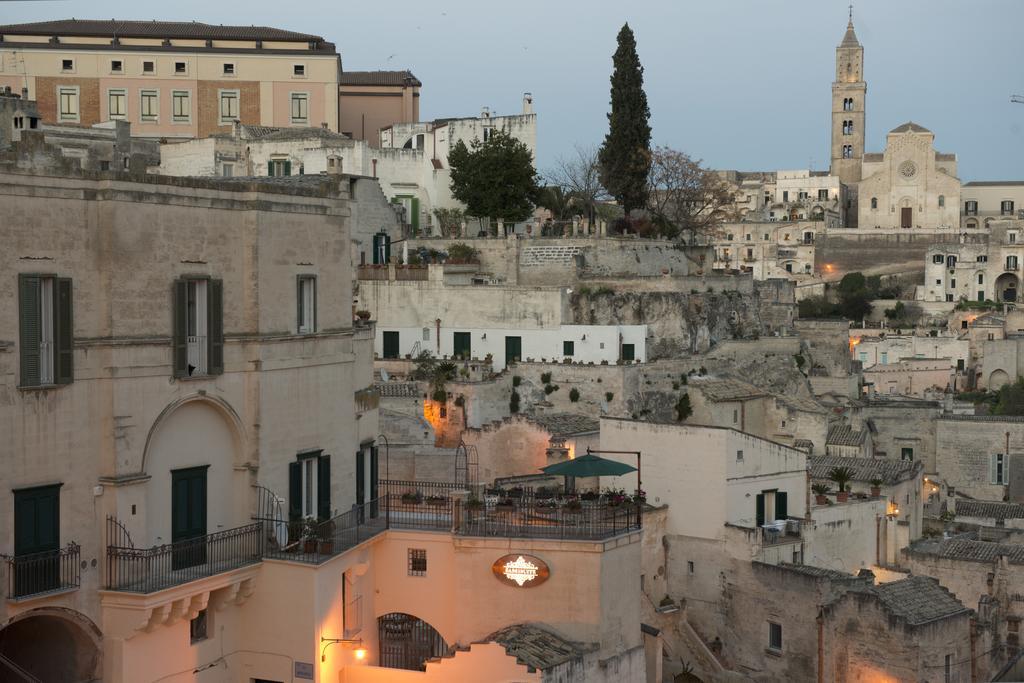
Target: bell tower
{"points": [[848, 108]]}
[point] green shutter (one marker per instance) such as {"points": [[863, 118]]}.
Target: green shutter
{"points": [[179, 342], [294, 491], [215, 327], [64, 333], [760, 510], [287, 167], [312, 283], [323, 484], [298, 303], [781, 508], [30, 328], [414, 209]]}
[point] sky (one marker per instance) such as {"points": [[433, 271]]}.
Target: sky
{"points": [[741, 84]]}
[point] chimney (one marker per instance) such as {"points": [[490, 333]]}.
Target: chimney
{"points": [[485, 112], [236, 129], [323, 124], [527, 103]]}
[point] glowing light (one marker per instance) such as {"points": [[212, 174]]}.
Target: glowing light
{"points": [[520, 570], [360, 654], [829, 267]]}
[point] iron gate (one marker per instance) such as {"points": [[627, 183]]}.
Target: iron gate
{"points": [[407, 642]]}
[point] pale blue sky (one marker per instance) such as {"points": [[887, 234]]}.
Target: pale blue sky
{"points": [[742, 84]]}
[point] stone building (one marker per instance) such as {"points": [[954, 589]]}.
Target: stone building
{"points": [[17, 113], [981, 455], [172, 79], [766, 250], [849, 107], [983, 271], [843, 440], [987, 201]]}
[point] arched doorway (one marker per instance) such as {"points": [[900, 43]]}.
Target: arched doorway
{"points": [[55, 646], [997, 380], [1007, 287], [407, 642]]}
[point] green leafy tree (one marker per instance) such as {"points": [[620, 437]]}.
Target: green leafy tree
{"points": [[625, 156], [494, 179], [1010, 399]]}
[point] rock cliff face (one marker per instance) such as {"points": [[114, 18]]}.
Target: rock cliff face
{"points": [[682, 324]]}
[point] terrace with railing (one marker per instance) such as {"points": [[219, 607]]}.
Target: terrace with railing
{"points": [[42, 573], [147, 570], [515, 512], [314, 542]]}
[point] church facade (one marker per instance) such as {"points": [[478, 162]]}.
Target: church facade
{"points": [[908, 186]]}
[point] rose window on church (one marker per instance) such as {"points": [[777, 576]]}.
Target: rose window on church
{"points": [[908, 169]]}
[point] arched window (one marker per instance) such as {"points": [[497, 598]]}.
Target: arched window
{"points": [[874, 202], [942, 201]]}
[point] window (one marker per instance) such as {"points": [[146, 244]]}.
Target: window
{"points": [[68, 97], [822, 195], [568, 348], [999, 467], [227, 170], [948, 668], [391, 344], [298, 69], [1011, 263], [300, 107], [306, 289], [628, 352], [181, 106], [689, 567], [785, 195], [952, 283], [766, 237], [1006, 208], [942, 201], [739, 456], [149, 105], [148, 67], [180, 68], [938, 258], [45, 330], [229, 69], [117, 104], [462, 345], [981, 278], [774, 636], [197, 628], [116, 66], [735, 416], [198, 327], [907, 453], [67, 65], [277, 168], [885, 357], [228, 106], [971, 207], [951, 261], [36, 530], [426, 334], [874, 202], [417, 562], [309, 486], [863, 356], [847, 151], [982, 259]]}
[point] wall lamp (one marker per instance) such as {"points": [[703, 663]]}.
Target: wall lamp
{"points": [[327, 642]]}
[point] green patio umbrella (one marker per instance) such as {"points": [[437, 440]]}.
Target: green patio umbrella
{"points": [[588, 465]]}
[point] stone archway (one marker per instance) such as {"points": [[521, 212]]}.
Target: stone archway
{"points": [[1007, 287], [408, 642], [54, 645], [998, 379]]}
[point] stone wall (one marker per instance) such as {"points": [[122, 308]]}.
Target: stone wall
{"points": [[965, 445], [867, 251]]}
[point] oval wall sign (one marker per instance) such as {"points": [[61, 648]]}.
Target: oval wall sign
{"points": [[521, 571]]}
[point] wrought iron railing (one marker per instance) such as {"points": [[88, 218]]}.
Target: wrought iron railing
{"points": [[152, 569], [11, 671], [196, 350], [44, 572], [531, 517], [315, 542], [367, 399]]}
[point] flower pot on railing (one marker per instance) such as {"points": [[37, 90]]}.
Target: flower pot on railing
{"points": [[436, 501], [412, 498], [842, 496]]}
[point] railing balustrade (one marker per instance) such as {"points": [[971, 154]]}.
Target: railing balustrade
{"points": [[314, 541], [152, 569], [197, 348], [782, 531], [44, 572]]}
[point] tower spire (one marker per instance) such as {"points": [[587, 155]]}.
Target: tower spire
{"points": [[850, 23]]}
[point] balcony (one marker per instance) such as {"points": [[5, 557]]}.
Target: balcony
{"points": [[314, 542], [515, 513], [197, 348], [43, 573], [781, 532], [367, 399], [148, 570]]}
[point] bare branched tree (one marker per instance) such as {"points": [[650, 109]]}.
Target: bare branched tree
{"points": [[685, 197], [579, 177]]}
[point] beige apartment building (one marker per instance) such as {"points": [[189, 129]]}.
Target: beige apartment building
{"points": [[370, 101], [172, 79]]}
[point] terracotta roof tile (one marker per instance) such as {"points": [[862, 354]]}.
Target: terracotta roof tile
{"points": [[537, 647], [379, 78], [890, 471], [155, 29]]}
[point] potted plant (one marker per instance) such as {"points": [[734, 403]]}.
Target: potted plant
{"points": [[326, 534], [841, 476], [573, 505], [820, 493], [614, 498], [640, 497], [436, 500], [309, 535], [876, 487], [412, 498], [363, 315], [589, 495]]}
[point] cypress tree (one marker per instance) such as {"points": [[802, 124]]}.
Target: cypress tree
{"points": [[625, 156]]}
